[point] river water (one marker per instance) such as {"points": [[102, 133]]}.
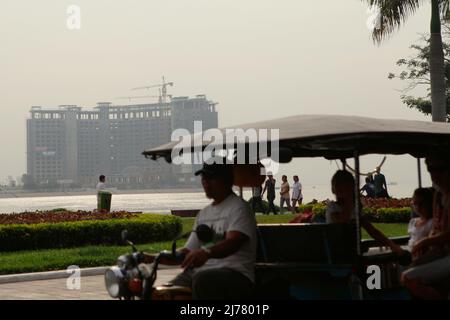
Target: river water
{"points": [[154, 202]]}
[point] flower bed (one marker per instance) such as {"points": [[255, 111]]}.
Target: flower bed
{"points": [[377, 203], [62, 215]]}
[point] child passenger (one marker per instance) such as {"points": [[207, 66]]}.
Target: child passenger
{"points": [[420, 227]]}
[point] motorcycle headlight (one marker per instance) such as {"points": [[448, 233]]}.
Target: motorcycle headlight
{"points": [[115, 282]]}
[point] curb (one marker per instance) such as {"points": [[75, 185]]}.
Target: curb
{"points": [[59, 274]]}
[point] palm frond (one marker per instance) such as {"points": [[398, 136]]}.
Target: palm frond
{"points": [[444, 9], [392, 14]]}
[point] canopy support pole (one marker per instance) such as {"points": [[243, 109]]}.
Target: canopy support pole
{"points": [[344, 164], [419, 172], [357, 207], [241, 193]]}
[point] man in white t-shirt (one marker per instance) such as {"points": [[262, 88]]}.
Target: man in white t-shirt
{"points": [[297, 196], [222, 268], [101, 185]]}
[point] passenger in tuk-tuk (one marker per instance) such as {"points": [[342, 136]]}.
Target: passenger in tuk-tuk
{"points": [[429, 277], [343, 209], [420, 226]]}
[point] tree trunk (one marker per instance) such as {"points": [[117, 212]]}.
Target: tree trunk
{"points": [[437, 72]]}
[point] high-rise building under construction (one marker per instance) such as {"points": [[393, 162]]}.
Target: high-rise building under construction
{"points": [[73, 145]]}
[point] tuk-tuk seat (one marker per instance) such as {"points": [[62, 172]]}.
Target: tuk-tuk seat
{"points": [[296, 258], [311, 245]]}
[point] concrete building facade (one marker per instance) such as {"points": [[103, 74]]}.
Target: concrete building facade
{"points": [[73, 145]]}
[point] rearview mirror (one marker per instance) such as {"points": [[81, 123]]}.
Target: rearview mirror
{"points": [[124, 235]]}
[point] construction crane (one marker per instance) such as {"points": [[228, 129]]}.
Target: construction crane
{"points": [[138, 97], [163, 89]]}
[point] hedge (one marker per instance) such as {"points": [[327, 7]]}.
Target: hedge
{"points": [[390, 215], [381, 215], [265, 205], [305, 207], [142, 229]]}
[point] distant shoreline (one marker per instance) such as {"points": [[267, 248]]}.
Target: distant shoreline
{"points": [[12, 195]]}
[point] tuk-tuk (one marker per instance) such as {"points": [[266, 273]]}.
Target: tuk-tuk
{"points": [[320, 261]]}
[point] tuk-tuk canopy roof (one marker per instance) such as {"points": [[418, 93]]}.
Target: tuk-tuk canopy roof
{"points": [[339, 136]]}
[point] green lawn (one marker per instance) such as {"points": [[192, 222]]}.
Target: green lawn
{"points": [[92, 256]]}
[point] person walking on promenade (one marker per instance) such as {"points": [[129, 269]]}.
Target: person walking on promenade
{"points": [[257, 204], [297, 196], [270, 187], [284, 194]]}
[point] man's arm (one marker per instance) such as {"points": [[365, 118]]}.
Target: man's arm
{"points": [[192, 243], [232, 243], [264, 190], [378, 235], [149, 258], [438, 241], [299, 191]]}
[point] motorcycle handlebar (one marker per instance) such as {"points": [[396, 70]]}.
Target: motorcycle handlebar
{"points": [[177, 257]]}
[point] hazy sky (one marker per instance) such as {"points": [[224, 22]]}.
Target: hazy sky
{"points": [[259, 59]]}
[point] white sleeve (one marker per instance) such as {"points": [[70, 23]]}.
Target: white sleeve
{"points": [[411, 225], [332, 208], [242, 220], [429, 226], [192, 242]]}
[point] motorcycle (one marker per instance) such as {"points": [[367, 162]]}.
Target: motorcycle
{"points": [[133, 278]]}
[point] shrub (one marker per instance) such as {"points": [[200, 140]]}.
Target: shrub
{"points": [[388, 215], [265, 205], [382, 215], [393, 215], [305, 207], [319, 212], [141, 229], [369, 213]]}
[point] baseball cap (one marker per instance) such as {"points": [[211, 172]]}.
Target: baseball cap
{"points": [[216, 170]]}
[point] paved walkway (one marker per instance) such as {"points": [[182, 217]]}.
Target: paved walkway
{"points": [[92, 288]]}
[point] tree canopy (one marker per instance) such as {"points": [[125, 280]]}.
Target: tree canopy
{"points": [[416, 73]]}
